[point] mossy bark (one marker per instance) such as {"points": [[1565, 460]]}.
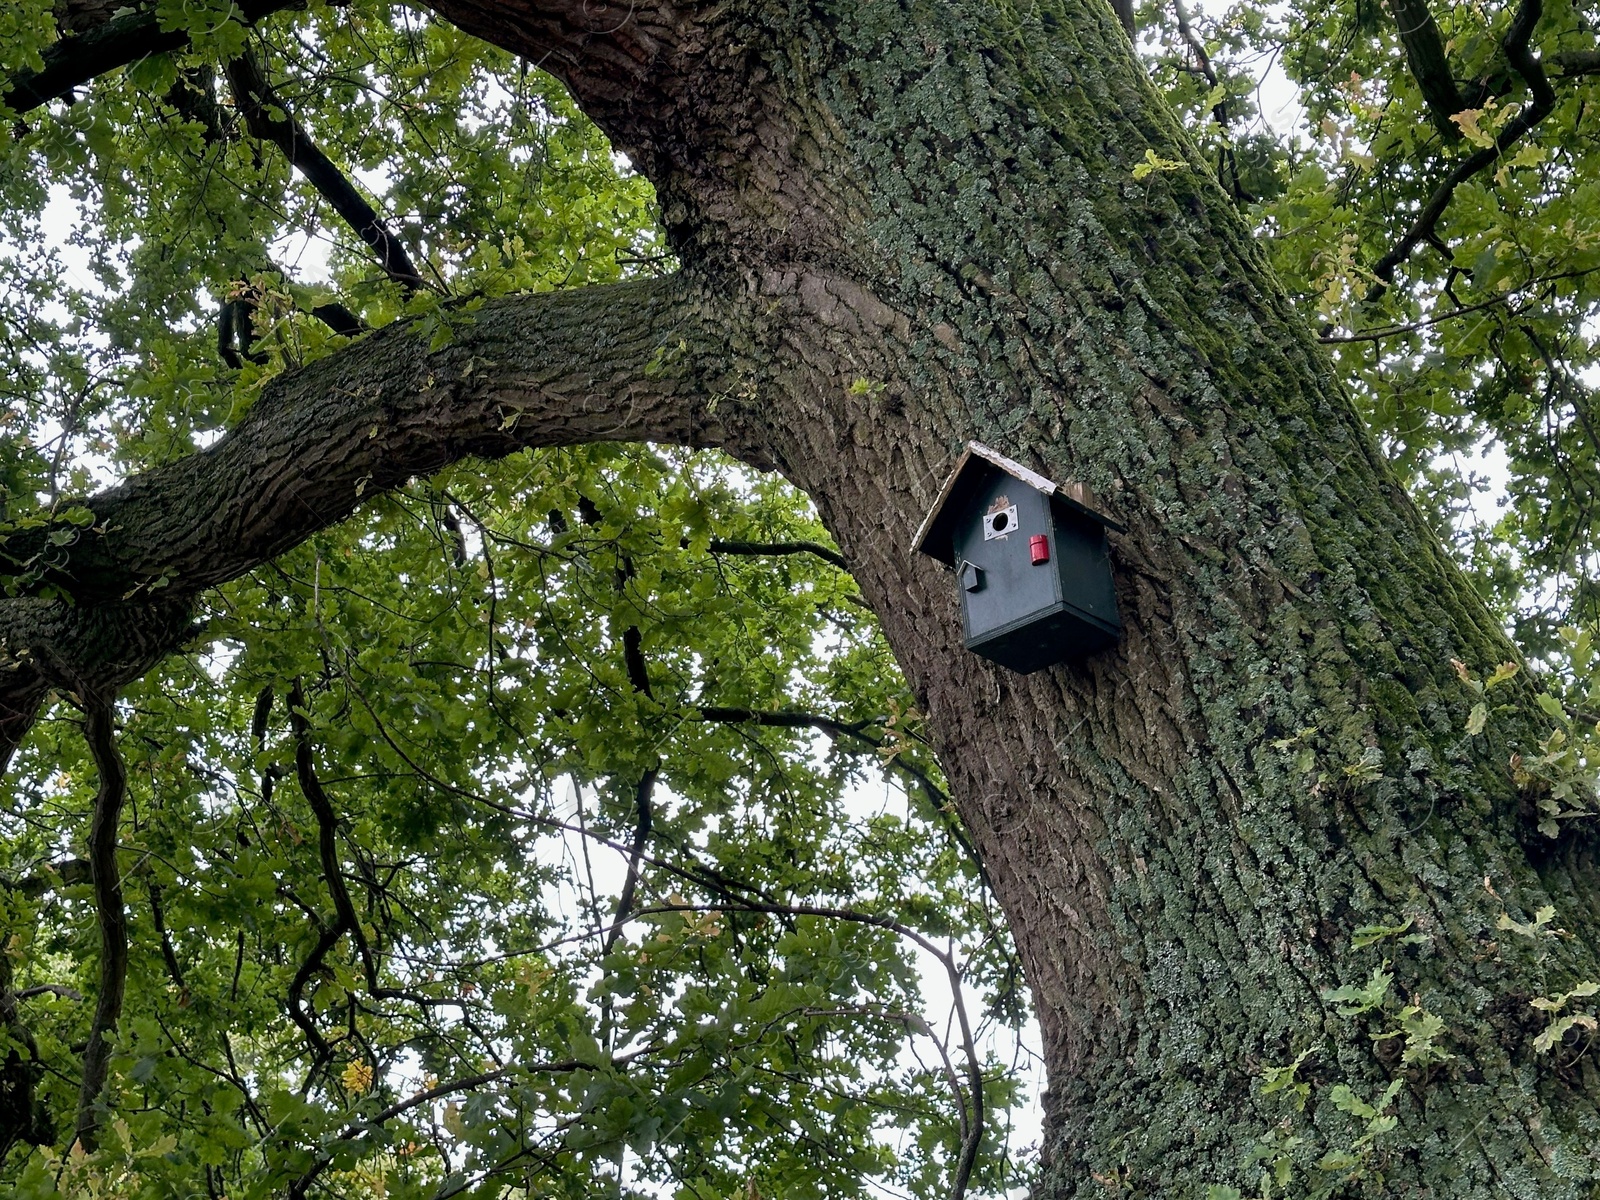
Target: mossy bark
{"points": [[930, 211], [918, 222]]}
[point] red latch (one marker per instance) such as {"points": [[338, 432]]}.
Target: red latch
{"points": [[1039, 548]]}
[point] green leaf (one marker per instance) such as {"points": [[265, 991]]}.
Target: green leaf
{"points": [[1501, 674], [1368, 935], [1353, 999], [1558, 1028], [1537, 929], [1152, 163]]}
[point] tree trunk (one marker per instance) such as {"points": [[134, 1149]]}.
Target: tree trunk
{"points": [[923, 222]]}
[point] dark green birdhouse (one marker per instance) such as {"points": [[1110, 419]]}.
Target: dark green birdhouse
{"points": [[1031, 560]]}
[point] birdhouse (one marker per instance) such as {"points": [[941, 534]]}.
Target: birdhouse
{"points": [[1030, 557]]}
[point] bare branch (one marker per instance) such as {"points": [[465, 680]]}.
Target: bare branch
{"points": [[113, 918], [23, 1118], [1508, 299], [1197, 47], [60, 990], [644, 790], [346, 920], [65, 872], [468, 1083], [327, 826], [1227, 160], [937, 799], [758, 549], [784, 719], [80, 16], [1124, 11], [169, 954], [972, 1116], [1577, 62], [642, 794], [1430, 67], [268, 118]]}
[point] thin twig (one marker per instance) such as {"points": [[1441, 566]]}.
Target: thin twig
{"points": [[973, 1139], [1462, 310], [856, 730], [756, 549], [1430, 65], [468, 1083]]}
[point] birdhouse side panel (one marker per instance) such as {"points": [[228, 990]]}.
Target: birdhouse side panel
{"points": [[1084, 565]]}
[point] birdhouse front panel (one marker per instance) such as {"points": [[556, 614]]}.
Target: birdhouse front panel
{"points": [[995, 539]]}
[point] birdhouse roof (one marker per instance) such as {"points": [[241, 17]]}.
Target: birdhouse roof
{"points": [[978, 464]]}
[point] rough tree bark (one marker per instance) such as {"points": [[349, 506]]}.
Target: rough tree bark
{"points": [[903, 224]]}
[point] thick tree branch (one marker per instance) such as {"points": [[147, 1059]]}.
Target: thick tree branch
{"points": [[1541, 101], [642, 795], [1202, 58], [194, 96], [1124, 11], [80, 16], [236, 333], [109, 909], [629, 362], [74, 61], [1430, 67], [1577, 62], [267, 118]]}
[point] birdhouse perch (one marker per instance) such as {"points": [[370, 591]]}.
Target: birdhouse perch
{"points": [[1031, 559]]}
